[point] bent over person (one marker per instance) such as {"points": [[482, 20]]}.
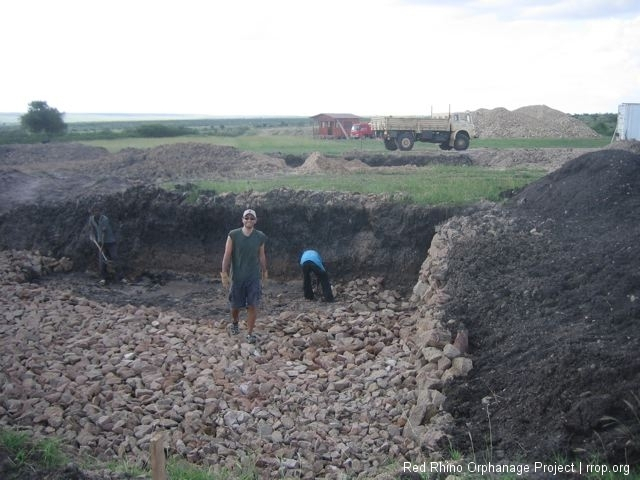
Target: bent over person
{"points": [[311, 261], [243, 266]]}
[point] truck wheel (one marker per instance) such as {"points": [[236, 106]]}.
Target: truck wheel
{"points": [[445, 146], [461, 142], [390, 144], [405, 141]]}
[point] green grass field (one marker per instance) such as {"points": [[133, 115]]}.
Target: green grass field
{"points": [[435, 185], [304, 144], [431, 185]]}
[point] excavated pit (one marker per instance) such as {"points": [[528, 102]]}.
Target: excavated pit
{"points": [[159, 231], [547, 286], [47, 190]]}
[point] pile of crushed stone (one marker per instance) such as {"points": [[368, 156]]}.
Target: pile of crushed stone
{"points": [[535, 121]]}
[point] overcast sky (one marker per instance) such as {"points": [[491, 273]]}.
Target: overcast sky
{"points": [[303, 57]]}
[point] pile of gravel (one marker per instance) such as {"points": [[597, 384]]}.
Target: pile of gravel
{"points": [[535, 121]]}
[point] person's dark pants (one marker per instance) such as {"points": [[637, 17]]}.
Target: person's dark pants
{"points": [[307, 268], [107, 268]]}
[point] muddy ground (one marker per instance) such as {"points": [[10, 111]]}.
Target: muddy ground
{"points": [[550, 299]]}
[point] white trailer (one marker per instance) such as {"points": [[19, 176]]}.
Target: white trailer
{"points": [[628, 126]]}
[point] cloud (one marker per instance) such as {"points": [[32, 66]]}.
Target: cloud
{"points": [[287, 57], [541, 9]]}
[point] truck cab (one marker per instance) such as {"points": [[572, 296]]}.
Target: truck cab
{"points": [[361, 130]]}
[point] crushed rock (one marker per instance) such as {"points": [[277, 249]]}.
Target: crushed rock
{"points": [[536, 121], [329, 390]]}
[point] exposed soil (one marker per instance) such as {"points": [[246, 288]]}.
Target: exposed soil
{"points": [[50, 199], [551, 301], [549, 294]]}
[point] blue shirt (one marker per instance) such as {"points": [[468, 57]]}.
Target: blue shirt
{"points": [[312, 256]]}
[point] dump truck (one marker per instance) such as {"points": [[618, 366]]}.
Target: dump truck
{"points": [[453, 130]]}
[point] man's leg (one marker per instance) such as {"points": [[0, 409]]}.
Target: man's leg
{"points": [[326, 286], [252, 314], [323, 277], [235, 327], [102, 266], [234, 295], [254, 294], [306, 283], [111, 252]]}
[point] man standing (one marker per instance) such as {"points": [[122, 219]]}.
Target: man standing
{"points": [[243, 265], [311, 261], [101, 234]]}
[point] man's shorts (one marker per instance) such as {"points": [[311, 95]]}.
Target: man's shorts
{"points": [[245, 294]]}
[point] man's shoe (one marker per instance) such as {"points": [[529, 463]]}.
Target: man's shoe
{"points": [[102, 282], [235, 329], [251, 338]]}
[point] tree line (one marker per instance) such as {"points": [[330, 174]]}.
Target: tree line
{"points": [[42, 123]]}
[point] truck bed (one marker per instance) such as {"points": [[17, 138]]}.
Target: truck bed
{"points": [[417, 124]]}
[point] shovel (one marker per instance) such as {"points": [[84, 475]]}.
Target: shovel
{"points": [[108, 261]]}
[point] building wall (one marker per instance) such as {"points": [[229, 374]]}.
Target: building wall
{"points": [[628, 127], [327, 127]]}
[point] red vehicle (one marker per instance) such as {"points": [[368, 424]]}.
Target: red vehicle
{"points": [[361, 130]]}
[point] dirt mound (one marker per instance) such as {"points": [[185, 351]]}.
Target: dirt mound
{"points": [[628, 145], [194, 161], [551, 300], [594, 185], [11, 155], [536, 121], [75, 171], [318, 163], [17, 187], [549, 159]]}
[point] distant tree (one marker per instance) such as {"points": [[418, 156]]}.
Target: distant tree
{"points": [[43, 118], [603, 123], [159, 130]]}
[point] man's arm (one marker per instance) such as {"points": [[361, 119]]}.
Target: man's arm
{"points": [[91, 226], [263, 262], [102, 228], [226, 259], [226, 263]]}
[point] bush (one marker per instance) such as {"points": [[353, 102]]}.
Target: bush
{"points": [[158, 130], [15, 135], [603, 123]]}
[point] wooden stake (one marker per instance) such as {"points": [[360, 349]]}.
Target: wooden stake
{"points": [[158, 457]]}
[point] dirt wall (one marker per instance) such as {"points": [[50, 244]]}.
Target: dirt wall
{"points": [[158, 230]]}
